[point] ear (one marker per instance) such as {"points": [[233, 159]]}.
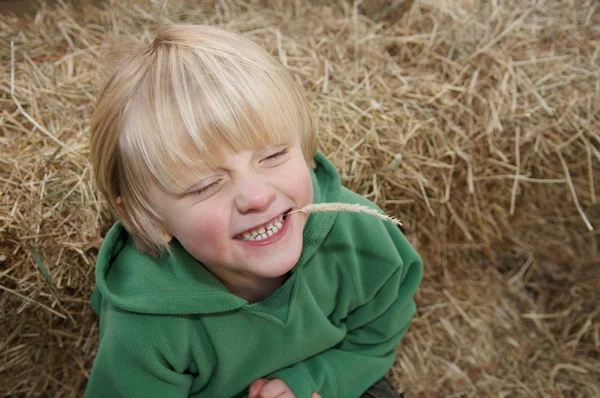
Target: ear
{"points": [[121, 209], [165, 236]]}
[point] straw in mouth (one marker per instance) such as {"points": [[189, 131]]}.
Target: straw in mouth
{"points": [[344, 207]]}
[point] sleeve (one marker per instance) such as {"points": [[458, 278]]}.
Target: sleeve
{"points": [[374, 329], [136, 359]]}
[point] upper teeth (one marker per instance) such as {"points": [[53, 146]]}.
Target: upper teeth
{"points": [[264, 231]]}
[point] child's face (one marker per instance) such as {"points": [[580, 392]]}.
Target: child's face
{"points": [[215, 220]]}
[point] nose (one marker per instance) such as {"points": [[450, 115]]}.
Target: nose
{"points": [[253, 195]]}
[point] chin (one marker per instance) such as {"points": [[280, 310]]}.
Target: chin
{"points": [[281, 266]]}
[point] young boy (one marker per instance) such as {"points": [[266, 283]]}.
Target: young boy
{"points": [[206, 287]]}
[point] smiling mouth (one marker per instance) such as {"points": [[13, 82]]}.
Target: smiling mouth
{"points": [[266, 230]]}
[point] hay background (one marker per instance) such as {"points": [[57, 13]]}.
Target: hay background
{"points": [[492, 106]]}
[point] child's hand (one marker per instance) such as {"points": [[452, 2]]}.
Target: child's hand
{"points": [[274, 388], [263, 388]]}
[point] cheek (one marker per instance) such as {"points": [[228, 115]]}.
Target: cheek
{"points": [[206, 236], [206, 226], [301, 186], [308, 188]]}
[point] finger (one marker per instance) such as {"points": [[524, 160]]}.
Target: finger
{"points": [[315, 395], [275, 388], [287, 394], [256, 387]]}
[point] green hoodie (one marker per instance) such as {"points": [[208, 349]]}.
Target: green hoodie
{"points": [[168, 328]]}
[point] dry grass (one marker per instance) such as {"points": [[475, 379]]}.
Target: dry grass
{"points": [[345, 207], [476, 123]]}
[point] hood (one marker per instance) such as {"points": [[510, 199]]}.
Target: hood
{"points": [[177, 283]]}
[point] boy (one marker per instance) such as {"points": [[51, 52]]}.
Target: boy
{"points": [[206, 287]]}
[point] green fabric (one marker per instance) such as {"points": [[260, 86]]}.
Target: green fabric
{"points": [[170, 329]]}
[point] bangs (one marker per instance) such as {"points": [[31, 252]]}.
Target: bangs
{"points": [[195, 106]]}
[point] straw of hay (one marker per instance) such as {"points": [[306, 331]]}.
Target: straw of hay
{"points": [[475, 122], [345, 207]]}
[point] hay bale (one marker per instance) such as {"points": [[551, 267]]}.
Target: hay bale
{"points": [[475, 124], [390, 11]]}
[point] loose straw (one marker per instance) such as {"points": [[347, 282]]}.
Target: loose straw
{"points": [[331, 207]]}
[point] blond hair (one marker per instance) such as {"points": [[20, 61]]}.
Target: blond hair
{"points": [[180, 104]]}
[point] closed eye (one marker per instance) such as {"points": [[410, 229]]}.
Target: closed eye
{"points": [[277, 155], [204, 189]]}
